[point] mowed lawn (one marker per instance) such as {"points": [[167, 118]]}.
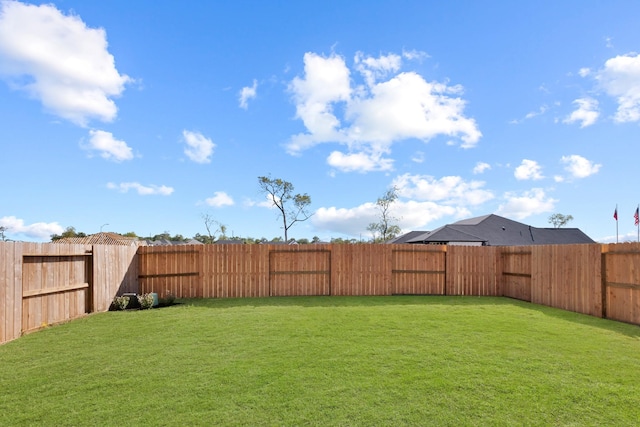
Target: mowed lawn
{"points": [[326, 361]]}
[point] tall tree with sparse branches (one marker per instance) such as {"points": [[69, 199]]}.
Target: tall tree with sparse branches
{"points": [[293, 207], [214, 228], [385, 229], [558, 220]]}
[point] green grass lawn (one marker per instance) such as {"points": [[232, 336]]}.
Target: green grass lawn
{"points": [[326, 361]]}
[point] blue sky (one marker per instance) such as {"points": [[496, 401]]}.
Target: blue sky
{"points": [[147, 115]]}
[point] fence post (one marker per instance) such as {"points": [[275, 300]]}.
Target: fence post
{"points": [[603, 276]]}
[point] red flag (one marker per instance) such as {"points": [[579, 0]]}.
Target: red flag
{"points": [[636, 216], [615, 214]]}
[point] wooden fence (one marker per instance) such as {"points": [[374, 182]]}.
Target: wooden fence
{"points": [[222, 271], [599, 280], [43, 284]]}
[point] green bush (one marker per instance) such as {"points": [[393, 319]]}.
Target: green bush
{"points": [[146, 301], [169, 299], [120, 303]]}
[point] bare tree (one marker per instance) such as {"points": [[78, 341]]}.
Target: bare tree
{"points": [[213, 227], [558, 220], [292, 207], [3, 230], [385, 229]]}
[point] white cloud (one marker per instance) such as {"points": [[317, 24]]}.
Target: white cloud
{"points": [[38, 230], [247, 93], [579, 167], [415, 55], [587, 112], [418, 157], [59, 61], [326, 81], [528, 169], [143, 190], [267, 202], [220, 199], [359, 162], [520, 206], [584, 72], [620, 78], [354, 221], [447, 190], [199, 148], [373, 69], [481, 167], [108, 147], [377, 114]]}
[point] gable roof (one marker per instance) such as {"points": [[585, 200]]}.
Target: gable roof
{"points": [[494, 230]]}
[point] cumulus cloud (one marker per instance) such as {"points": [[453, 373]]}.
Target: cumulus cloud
{"points": [[38, 230], [59, 61], [247, 93], [354, 221], [373, 69], [109, 147], [390, 106], [199, 148], [481, 167], [586, 114], [143, 190], [220, 199], [359, 162], [422, 200], [522, 205], [452, 190], [620, 78], [580, 167], [528, 169]]}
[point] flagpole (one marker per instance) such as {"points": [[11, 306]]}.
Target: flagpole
{"points": [[615, 215], [637, 220]]}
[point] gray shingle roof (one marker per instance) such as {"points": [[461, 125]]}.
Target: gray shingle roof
{"points": [[495, 230]]}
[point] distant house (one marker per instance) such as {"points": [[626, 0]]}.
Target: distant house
{"points": [[493, 230], [166, 242], [102, 238]]}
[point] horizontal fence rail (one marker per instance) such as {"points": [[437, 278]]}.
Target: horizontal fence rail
{"points": [[41, 284]]}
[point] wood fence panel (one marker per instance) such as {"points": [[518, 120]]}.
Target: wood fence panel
{"points": [[621, 282], [516, 272], [361, 269], [235, 271], [418, 269], [10, 291], [115, 272], [473, 271], [299, 270], [567, 277], [56, 283], [171, 269]]}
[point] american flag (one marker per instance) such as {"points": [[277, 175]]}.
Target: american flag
{"points": [[615, 214], [636, 216]]}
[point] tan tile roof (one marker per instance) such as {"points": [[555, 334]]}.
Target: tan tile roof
{"points": [[103, 238]]}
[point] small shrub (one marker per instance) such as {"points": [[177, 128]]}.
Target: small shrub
{"points": [[146, 301], [120, 303], [169, 299]]}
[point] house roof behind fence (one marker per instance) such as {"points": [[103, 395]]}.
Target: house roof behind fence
{"points": [[102, 238]]}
